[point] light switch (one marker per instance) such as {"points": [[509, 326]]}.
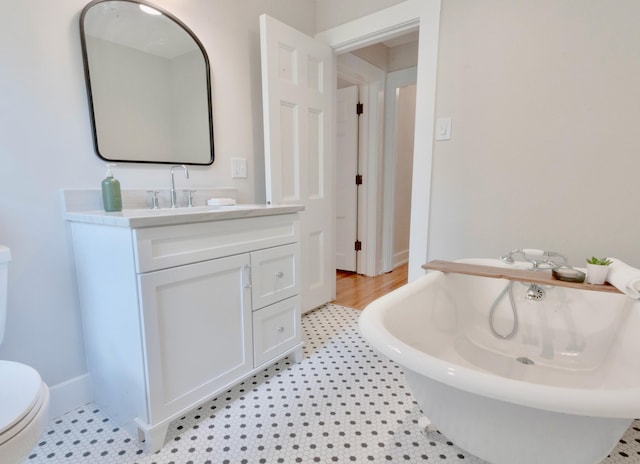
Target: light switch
{"points": [[238, 168], [443, 129]]}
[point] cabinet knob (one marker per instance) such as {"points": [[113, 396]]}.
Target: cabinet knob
{"points": [[280, 329], [279, 274]]}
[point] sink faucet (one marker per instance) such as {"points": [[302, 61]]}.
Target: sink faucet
{"points": [[172, 192]]}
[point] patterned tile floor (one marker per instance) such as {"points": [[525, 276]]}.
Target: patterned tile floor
{"points": [[342, 403]]}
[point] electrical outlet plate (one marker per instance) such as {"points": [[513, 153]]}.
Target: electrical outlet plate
{"points": [[238, 168]]}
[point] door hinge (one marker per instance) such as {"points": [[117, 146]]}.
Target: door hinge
{"points": [[358, 246], [359, 108], [358, 179]]}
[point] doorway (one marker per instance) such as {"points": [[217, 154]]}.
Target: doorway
{"points": [[395, 21], [372, 232]]}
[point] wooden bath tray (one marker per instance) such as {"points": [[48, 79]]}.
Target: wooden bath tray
{"points": [[520, 275]]}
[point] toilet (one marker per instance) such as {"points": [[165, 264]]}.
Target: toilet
{"points": [[24, 397]]}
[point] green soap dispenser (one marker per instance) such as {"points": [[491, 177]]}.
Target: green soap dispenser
{"points": [[111, 195]]}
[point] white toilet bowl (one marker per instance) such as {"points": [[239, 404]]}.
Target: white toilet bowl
{"points": [[24, 407]]}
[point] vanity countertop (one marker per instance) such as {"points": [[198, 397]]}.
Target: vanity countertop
{"points": [[138, 218]]}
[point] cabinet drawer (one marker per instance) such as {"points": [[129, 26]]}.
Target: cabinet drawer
{"points": [[169, 246], [274, 275], [276, 329]]}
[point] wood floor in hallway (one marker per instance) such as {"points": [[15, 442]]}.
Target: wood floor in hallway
{"points": [[357, 291]]}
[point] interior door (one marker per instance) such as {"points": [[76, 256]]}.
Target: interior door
{"points": [[346, 170], [298, 85]]}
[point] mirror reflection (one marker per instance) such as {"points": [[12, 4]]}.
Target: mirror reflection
{"points": [[148, 84]]}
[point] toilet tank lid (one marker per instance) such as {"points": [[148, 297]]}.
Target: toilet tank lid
{"points": [[5, 254]]}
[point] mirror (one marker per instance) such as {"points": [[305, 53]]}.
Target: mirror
{"points": [[148, 84]]}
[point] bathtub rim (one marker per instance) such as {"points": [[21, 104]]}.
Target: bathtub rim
{"points": [[618, 403]]}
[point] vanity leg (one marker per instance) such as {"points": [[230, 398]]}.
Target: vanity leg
{"points": [[426, 426], [154, 437], [297, 356]]}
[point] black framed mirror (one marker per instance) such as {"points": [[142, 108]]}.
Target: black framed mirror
{"points": [[148, 84]]}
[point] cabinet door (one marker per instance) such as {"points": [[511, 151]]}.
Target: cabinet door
{"points": [[274, 274], [197, 332]]}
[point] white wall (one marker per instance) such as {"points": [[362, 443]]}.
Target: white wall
{"points": [[545, 106], [403, 56], [332, 13], [46, 145]]}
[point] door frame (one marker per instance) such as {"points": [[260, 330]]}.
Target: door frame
{"points": [[371, 81], [394, 21], [395, 80]]}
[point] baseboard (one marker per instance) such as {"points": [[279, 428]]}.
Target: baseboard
{"points": [[69, 395], [399, 258]]}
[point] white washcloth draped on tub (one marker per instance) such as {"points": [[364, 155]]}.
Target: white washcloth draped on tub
{"points": [[624, 277]]}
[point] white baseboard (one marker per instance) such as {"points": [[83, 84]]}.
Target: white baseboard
{"points": [[399, 258], [69, 395]]}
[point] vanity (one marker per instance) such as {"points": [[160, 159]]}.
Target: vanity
{"points": [[178, 305]]}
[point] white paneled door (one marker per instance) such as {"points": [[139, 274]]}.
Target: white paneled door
{"points": [[346, 171], [298, 88]]}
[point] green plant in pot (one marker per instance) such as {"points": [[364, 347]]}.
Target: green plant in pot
{"points": [[597, 270]]}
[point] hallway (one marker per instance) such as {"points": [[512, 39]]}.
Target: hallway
{"points": [[357, 291]]}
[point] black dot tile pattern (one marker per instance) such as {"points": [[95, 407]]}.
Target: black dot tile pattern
{"points": [[343, 403]]}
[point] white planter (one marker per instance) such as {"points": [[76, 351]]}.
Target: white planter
{"points": [[596, 273]]}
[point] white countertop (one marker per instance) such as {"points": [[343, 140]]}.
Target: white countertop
{"points": [[137, 218]]}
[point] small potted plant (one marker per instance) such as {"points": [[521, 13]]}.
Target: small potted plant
{"points": [[597, 270]]}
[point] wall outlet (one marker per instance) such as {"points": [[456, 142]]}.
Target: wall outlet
{"points": [[238, 168]]}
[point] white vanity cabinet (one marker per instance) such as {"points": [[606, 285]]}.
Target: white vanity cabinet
{"points": [[175, 314]]}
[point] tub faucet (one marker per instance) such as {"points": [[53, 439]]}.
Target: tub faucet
{"points": [[172, 192], [550, 259]]}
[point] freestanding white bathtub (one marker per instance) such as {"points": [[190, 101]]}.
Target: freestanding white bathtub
{"points": [[563, 390]]}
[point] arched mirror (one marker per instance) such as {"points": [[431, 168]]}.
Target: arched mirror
{"points": [[148, 83]]}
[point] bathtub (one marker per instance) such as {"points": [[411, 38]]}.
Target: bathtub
{"points": [[562, 390]]}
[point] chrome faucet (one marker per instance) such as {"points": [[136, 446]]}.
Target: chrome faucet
{"points": [[549, 259], [172, 192]]}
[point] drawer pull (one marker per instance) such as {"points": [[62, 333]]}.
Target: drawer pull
{"points": [[280, 329], [279, 274], [246, 276]]}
